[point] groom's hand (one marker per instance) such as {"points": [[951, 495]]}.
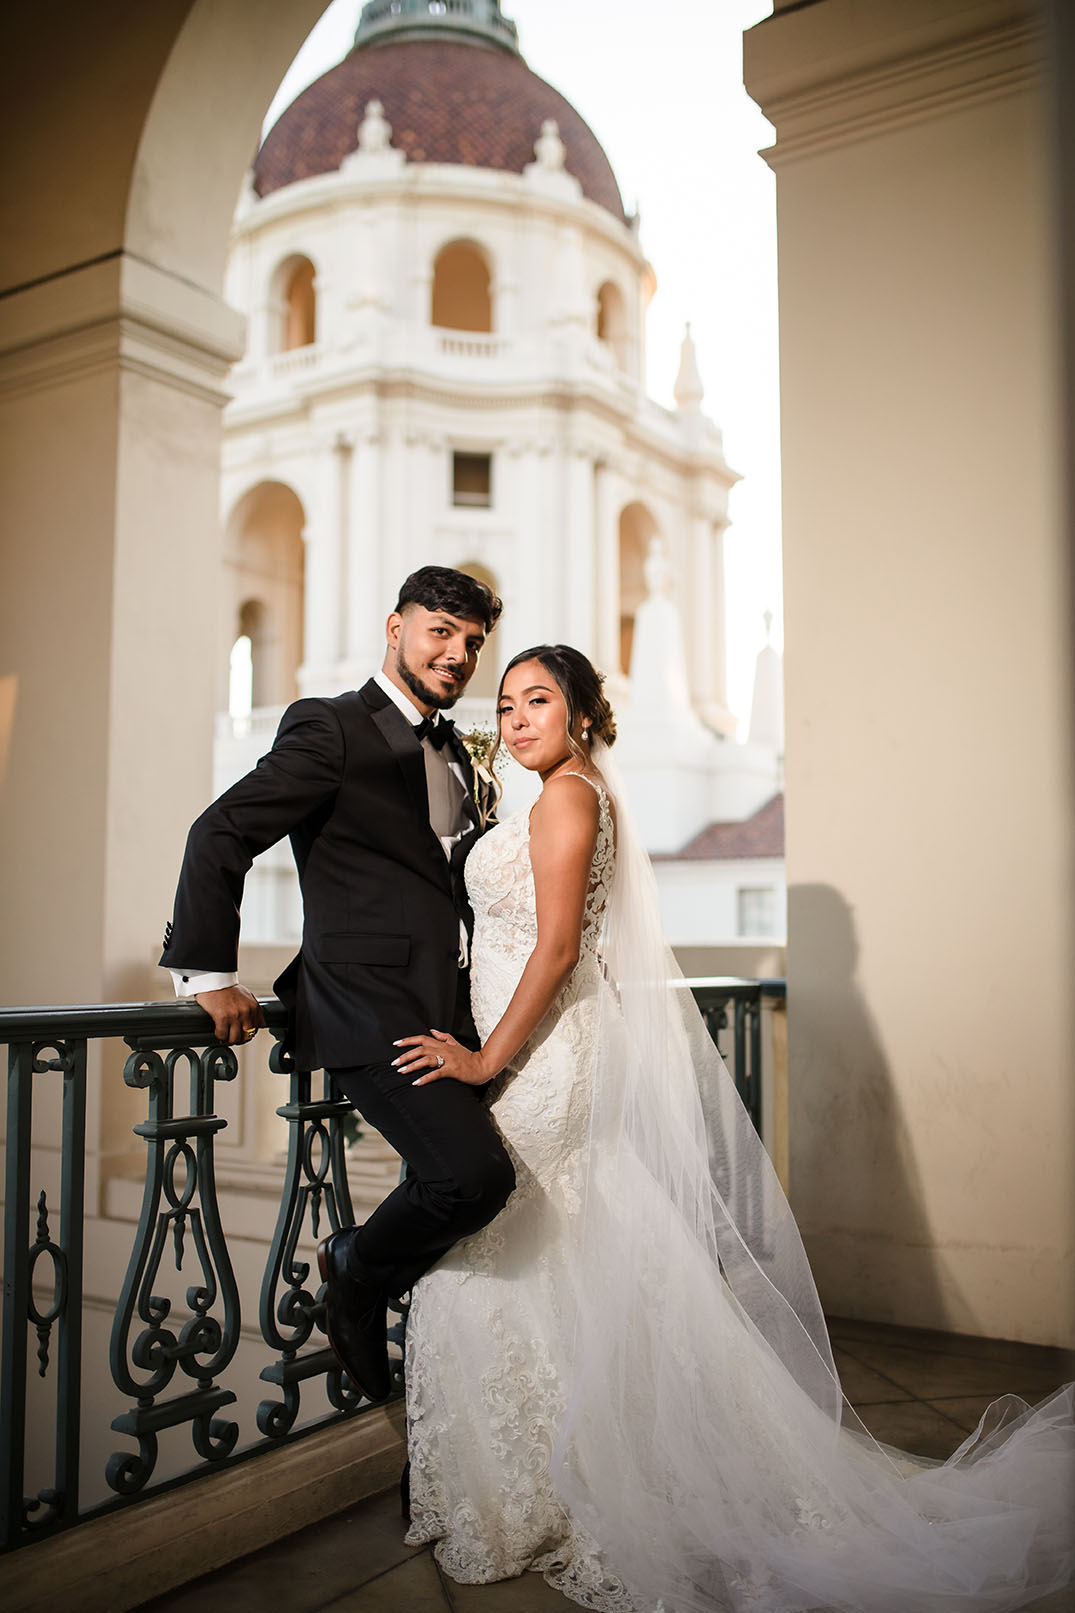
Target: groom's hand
{"points": [[438, 1055], [235, 1012]]}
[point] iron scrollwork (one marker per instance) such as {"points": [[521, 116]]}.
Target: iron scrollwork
{"points": [[179, 1202], [315, 1185], [43, 1320]]}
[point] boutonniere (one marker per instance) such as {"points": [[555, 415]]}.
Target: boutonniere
{"points": [[478, 743]]}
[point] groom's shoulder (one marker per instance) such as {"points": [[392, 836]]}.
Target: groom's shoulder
{"points": [[338, 708], [332, 715]]}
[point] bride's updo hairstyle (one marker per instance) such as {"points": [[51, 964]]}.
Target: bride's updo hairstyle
{"points": [[580, 683]]}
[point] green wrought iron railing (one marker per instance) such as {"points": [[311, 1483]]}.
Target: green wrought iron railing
{"points": [[168, 1356]]}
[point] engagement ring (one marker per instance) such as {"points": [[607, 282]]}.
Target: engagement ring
{"points": [[440, 1060]]}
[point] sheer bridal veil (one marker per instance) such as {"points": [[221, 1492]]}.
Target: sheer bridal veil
{"points": [[706, 1444]]}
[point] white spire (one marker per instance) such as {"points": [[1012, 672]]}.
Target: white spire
{"points": [[767, 706], [688, 390]]}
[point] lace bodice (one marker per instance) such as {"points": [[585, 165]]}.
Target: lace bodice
{"points": [[500, 884]]}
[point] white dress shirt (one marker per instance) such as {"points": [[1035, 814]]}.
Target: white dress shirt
{"points": [[188, 982]]}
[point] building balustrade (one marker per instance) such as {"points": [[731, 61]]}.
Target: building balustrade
{"points": [[469, 344], [177, 1323], [295, 361]]}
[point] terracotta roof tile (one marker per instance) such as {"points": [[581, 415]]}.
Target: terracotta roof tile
{"points": [[447, 102], [759, 836]]}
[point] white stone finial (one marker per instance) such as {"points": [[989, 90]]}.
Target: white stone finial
{"points": [[549, 149], [375, 131], [688, 390]]}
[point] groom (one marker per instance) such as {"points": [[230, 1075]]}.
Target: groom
{"points": [[382, 803]]}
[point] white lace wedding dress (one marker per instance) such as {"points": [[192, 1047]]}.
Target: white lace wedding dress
{"points": [[489, 1335], [682, 1443]]}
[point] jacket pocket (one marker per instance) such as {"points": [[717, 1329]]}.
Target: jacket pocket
{"points": [[383, 950]]}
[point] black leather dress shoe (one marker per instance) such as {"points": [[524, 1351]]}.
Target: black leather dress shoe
{"points": [[355, 1318]]}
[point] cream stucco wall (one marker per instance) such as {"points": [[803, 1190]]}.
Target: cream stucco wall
{"points": [[931, 955], [114, 345]]}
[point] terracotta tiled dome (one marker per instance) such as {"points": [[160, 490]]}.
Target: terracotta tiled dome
{"points": [[447, 101]]}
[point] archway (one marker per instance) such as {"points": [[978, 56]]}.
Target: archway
{"points": [[462, 294], [264, 556], [637, 526]]}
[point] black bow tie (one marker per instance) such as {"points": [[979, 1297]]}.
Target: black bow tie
{"points": [[436, 732]]}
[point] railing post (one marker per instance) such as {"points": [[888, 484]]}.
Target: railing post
{"points": [[60, 1499], [72, 1218], [158, 1350], [16, 1285], [315, 1178]]}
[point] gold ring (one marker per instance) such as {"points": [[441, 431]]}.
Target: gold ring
{"points": [[249, 1033]]}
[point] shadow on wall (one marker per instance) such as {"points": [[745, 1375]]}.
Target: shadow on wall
{"points": [[855, 1185]]}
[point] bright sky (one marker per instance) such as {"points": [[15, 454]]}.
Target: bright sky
{"points": [[661, 87]]}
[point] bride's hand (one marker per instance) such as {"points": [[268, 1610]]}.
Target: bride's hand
{"points": [[440, 1055]]}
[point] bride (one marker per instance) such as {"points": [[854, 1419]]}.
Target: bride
{"points": [[624, 1382]]}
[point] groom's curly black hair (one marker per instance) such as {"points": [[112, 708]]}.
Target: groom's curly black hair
{"points": [[441, 588]]}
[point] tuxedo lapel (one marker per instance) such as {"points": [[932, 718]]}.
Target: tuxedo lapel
{"points": [[398, 735]]}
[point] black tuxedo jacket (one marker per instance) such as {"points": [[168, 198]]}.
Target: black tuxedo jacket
{"points": [[345, 779]]}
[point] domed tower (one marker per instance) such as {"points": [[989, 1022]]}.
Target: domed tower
{"points": [[445, 364]]}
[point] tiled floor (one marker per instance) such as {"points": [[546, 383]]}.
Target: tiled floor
{"points": [[921, 1391]]}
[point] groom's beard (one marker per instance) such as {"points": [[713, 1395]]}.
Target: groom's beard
{"points": [[429, 697]]}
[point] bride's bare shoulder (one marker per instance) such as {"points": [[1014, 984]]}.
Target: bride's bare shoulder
{"points": [[567, 799]]}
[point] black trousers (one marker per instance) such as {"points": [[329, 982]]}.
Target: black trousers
{"points": [[458, 1175]]}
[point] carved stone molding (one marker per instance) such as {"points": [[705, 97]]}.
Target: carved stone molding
{"points": [[827, 77], [118, 311]]}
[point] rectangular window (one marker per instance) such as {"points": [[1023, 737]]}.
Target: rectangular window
{"points": [[472, 481], [756, 910]]}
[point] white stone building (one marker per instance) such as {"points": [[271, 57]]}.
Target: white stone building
{"points": [[445, 364]]}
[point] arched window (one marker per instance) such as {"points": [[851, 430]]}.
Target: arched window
{"points": [[483, 685], [250, 659], [241, 679], [637, 527], [300, 318], [265, 557], [612, 320], [462, 299], [292, 308]]}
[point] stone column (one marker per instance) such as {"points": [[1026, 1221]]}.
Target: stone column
{"points": [[112, 388], [531, 618], [606, 568], [579, 561], [366, 591], [319, 672]]}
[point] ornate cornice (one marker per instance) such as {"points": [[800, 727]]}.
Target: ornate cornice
{"points": [[827, 77], [564, 400], [118, 312]]}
